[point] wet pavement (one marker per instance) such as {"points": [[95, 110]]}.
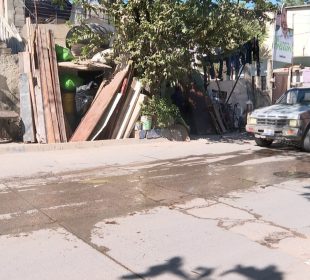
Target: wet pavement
{"points": [[233, 215]]}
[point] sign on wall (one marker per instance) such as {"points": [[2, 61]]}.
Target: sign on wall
{"points": [[283, 44]]}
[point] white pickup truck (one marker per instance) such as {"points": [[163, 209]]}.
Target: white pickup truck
{"points": [[288, 119]]}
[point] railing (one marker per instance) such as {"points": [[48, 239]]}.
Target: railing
{"points": [[9, 34]]}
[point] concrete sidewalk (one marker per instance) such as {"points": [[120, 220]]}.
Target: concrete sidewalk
{"points": [[22, 160]]}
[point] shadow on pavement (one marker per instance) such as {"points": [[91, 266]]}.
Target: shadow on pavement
{"points": [[174, 267], [253, 273], [307, 194]]}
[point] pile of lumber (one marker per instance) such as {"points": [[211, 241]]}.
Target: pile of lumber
{"points": [[216, 114], [114, 111], [112, 115], [40, 97]]}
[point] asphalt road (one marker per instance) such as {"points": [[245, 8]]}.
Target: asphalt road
{"points": [[208, 209]]}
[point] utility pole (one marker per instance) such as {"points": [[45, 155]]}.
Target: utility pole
{"points": [[270, 62]]}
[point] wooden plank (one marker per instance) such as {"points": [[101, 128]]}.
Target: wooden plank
{"points": [[135, 116], [41, 129], [57, 91], [84, 65], [219, 118], [107, 117], [130, 109], [215, 116], [30, 42], [26, 109], [98, 108], [116, 116], [44, 90], [50, 88], [28, 71], [69, 131], [123, 107]]}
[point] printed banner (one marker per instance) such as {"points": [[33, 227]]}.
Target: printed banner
{"points": [[283, 44]]}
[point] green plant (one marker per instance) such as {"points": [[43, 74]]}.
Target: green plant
{"points": [[164, 113], [164, 37]]}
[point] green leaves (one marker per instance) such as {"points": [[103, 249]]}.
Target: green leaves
{"points": [[157, 35], [162, 110]]}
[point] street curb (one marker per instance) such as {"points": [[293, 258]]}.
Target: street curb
{"points": [[24, 148]]}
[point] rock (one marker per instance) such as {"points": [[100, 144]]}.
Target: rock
{"points": [[176, 132]]}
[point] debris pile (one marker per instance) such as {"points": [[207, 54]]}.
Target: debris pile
{"points": [[40, 96], [112, 111]]}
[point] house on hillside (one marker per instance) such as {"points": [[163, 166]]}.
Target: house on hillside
{"points": [[298, 18], [13, 14], [44, 11], [15, 11], [293, 72]]}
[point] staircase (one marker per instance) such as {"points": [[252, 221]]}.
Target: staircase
{"points": [[4, 49], [10, 36]]}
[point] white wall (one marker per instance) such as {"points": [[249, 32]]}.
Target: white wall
{"points": [[299, 20]]}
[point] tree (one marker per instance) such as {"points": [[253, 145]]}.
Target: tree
{"points": [[162, 37]]}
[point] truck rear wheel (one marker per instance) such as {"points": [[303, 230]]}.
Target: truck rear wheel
{"points": [[306, 141], [263, 142]]}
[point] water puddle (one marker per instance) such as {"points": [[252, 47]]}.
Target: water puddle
{"points": [[292, 174]]}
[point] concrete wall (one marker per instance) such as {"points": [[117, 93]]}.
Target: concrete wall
{"points": [[240, 94], [60, 32], [243, 92], [9, 74], [9, 96], [298, 18], [13, 11]]}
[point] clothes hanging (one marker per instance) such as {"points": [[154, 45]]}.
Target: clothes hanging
{"points": [[220, 74], [228, 65], [256, 55]]}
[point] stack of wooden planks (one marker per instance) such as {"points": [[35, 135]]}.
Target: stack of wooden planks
{"points": [[112, 114], [216, 115], [114, 111], [41, 104]]}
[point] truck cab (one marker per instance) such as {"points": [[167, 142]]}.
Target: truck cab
{"points": [[288, 119]]}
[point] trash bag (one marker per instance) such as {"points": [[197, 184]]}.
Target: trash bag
{"points": [[84, 97], [63, 54], [70, 82]]}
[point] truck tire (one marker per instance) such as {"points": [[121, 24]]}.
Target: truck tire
{"points": [[306, 141], [263, 142]]}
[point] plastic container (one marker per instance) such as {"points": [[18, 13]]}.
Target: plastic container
{"points": [[68, 102], [146, 122]]}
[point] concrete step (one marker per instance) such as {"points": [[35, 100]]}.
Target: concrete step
{"points": [[3, 45], [4, 51]]}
